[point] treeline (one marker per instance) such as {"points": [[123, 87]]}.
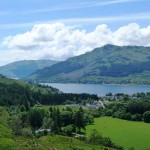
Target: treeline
{"points": [[17, 94], [63, 98], [138, 110]]}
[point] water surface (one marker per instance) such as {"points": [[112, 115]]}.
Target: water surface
{"points": [[99, 89]]}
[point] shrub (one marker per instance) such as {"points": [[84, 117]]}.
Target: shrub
{"points": [[146, 116], [68, 130], [27, 132]]}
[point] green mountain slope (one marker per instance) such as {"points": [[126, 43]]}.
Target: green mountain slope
{"points": [[108, 64], [20, 69]]}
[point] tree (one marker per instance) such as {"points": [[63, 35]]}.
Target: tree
{"points": [[22, 108], [68, 130], [47, 123], [16, 125], [79, 119], [146, 116], [27, 132], [66, 118], [136, 117], [36, 118], [95, 137], [56, 119]]}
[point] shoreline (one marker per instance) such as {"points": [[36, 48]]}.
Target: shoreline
{"points": [[113, 84]]}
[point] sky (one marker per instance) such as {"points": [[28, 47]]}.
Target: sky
{"points": [[57, 30]]}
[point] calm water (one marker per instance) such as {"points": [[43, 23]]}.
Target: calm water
{"points": [[98, 89]]}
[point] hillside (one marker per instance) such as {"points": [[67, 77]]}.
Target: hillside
{"points": [[109, 64], [15, 92], [20, 69]]}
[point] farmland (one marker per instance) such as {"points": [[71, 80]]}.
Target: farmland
{"points": [[122, 132]]}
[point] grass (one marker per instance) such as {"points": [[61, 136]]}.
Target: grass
{"points": [[51, 142], [6, 138], [123, 133], [65, 143], [5, 132], [54, 142]]}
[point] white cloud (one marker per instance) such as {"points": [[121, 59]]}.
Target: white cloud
{"points": [[58, 41]]}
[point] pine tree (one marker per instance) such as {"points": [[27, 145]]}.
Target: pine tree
{"points": [[79, 119]]}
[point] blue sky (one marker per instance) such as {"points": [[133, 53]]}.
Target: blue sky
{"points": [[20, 16]]}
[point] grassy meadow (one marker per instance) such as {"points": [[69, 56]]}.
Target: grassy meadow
{"points": [[124, 133], [52, 142]]}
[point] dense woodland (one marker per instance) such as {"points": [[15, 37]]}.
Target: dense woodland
{"points": [[16, 94]]}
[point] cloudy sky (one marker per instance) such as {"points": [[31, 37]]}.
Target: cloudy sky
{"points": [[57, 30]]}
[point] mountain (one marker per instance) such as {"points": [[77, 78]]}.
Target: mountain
{"points": [[109, 64], [21, 69]]}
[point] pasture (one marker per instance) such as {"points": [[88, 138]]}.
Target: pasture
{"points": [[122, 132]]}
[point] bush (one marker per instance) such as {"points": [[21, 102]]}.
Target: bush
{"points": [[109, 112], [68, 130], [146, 116], [27, 132], [95, 137], [136, 117]]}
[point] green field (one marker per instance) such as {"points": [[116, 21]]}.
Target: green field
{"points": [[124, 133]]}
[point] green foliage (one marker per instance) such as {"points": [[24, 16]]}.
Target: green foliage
{"points": [[4, 116], [96, 138], [16, 125], [138, 107], [136, 117], [128, 110], [5, 132], [27, 133], [6, 143], [68, 130], [66, 118], [56, 122], [14, 92], [79, 119], [36, 117], [146, 116], [22, 108], [66, 143]]}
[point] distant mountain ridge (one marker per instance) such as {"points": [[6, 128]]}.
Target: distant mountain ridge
{"points": [[21, 69], [109, 64]]}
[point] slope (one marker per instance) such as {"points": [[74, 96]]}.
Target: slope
{"points": [[20, 69], [108, 64]]}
